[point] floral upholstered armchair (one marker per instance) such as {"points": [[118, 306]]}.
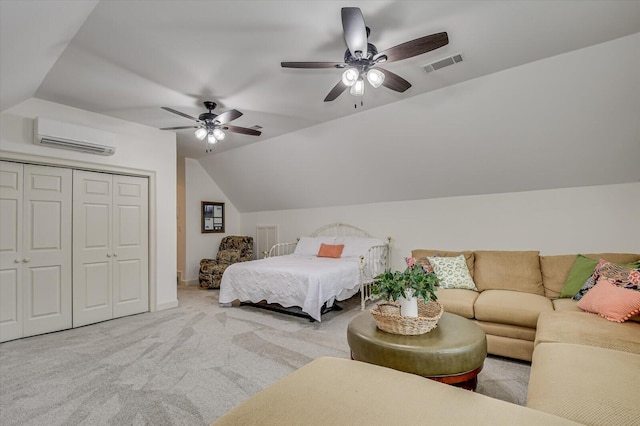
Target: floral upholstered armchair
{"points": [[232, 249]]}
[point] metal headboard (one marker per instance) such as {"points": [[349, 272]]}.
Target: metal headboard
{"points": [[340, 230]]}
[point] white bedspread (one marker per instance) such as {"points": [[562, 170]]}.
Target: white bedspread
{"points": [[292, 280]]}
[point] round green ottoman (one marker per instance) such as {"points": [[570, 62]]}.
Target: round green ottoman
{"points": [[452, 353]]}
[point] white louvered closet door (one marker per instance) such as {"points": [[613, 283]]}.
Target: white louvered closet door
{"points": [[35, 250], [92, 247]]}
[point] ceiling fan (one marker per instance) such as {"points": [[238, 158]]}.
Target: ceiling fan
{"points": [[361, 59], [212, 126]]}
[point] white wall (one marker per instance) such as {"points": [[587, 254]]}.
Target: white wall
{"points": [[560, 221], [200, 187], [181, 215], [138, 148]]}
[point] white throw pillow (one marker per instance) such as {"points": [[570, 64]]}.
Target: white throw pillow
{"points": [[452, 272], [355, 246], [309, 246]]}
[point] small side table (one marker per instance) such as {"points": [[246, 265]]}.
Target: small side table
{"points": [[452, 353]]}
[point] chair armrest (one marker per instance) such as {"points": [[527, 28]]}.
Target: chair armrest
{"points": [[208, 262]]}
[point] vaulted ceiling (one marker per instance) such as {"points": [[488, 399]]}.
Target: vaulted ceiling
{"points": [[126, 59]]}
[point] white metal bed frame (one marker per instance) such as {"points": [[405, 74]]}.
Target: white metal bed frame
{"points": [[372, 264]]}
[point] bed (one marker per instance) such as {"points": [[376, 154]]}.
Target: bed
{"points": [[292, 275]]}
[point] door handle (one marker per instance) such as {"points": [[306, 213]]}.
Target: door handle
{"points": [[108, 255], [17, 261], [115, 255], [26, 260]]}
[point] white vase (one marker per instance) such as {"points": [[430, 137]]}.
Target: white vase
{"points": [[409, 305]]}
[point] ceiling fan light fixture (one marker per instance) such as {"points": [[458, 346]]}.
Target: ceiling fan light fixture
{"points": [[375, 77], [350, 76], [201, 133], [211, 139], [218, 134], [358, 88]]}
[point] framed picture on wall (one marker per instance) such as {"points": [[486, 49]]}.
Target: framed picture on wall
{"points": [[212, 217]]}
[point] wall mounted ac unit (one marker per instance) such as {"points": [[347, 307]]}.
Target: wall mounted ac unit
{"points": [[56, 134]]}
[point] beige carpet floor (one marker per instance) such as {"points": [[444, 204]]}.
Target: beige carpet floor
{"points": [[183, 366]]}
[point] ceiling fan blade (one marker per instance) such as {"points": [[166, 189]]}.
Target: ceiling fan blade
{"points": [[355, 30], [243, 130], [336, 91], [179, 128], [393, 81], [312, 65], [179, 113], [228, 116], [415, 47]]}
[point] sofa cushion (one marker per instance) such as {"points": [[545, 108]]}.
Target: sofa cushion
{"points": [[507, 330], [457, 301], [452, 272], [508, 270], [585, 384], [555, 270], [511, 307], [614, 303], [468, 256], [566, 305], [587, 329], [333, 391]]}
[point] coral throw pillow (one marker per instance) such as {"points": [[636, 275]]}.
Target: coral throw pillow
{"points": [[627, 276], [330, 250], [610, 301]]}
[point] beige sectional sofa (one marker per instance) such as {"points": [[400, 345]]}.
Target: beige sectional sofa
{"points": [[584, 370], [514, 288]]}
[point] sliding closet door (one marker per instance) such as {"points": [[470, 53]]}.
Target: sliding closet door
{"points": [[92, 230], [130, 245], [47, 249], [11, 177]]}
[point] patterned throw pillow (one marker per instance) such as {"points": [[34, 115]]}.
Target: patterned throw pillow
{"points": [[452, 272], [227, 257], [425, 264], [617, 274], [610, 301]]}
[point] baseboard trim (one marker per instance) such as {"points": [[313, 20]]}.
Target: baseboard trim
{"points": [[167, 305]]}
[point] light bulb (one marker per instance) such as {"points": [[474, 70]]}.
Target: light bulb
{"points": [[211, 139], [358, 88], [218, 134], [375, 77], [350, 76], [201, 133]]}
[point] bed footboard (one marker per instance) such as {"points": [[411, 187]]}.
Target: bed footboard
{"points": [[372, 264], [282, 249]]}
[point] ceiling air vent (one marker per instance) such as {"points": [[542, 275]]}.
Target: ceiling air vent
{"points": [[441, 63]]}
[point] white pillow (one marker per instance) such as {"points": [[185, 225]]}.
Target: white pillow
{"points": [[309, 246], [452, 272], [354, 246]]}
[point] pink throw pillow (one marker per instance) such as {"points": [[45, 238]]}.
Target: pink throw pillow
{"points": [[610, 301]]}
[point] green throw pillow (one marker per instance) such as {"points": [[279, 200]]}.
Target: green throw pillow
{"points": [[578, 274]]}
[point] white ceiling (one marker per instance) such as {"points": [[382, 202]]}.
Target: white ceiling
{"points": [[126, 59]]}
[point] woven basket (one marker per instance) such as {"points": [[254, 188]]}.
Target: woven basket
{"points": [[388, 318]]}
